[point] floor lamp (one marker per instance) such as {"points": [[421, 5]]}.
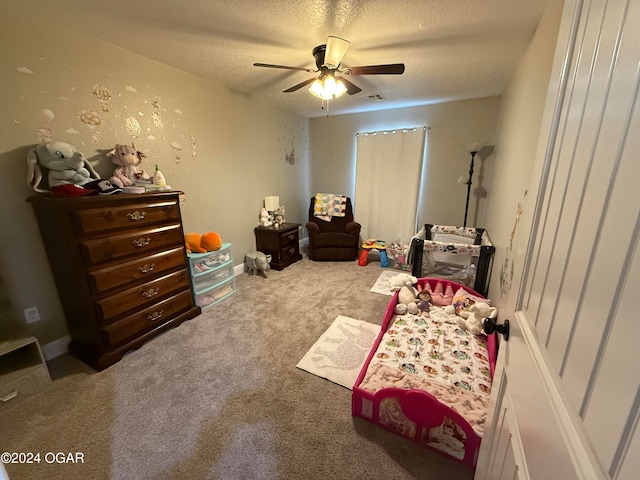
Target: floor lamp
{"points": [[473, 148]]}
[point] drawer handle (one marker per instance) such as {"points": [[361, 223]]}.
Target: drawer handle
{"points": [[135, 216], [141, 242], [292, 236], [146, 268], [152, 292], [292, 249], [155, 316], [6, 398]]}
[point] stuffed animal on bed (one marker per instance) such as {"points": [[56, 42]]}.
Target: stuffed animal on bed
{"points": [[401, 280], [208, 242], [472, 319], [424, 302], [407, 300], [66, 168], [128, 159]]}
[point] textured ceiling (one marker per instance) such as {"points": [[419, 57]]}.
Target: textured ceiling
{"points": [[452, 49]]}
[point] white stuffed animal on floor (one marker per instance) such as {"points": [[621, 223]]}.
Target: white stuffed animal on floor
{"points": [[63, 164], [472, 319]]}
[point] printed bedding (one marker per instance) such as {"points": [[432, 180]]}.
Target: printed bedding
{"points": [[433, 354], [428, 380]]}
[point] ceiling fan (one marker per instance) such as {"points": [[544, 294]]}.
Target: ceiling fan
{"points": [[331, 83]]}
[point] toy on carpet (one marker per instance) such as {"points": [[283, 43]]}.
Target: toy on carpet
{"points": [[472, 319], [401, 280], [264, 219], [128, 171], [207, 242], [257, 262], [66, 168]]}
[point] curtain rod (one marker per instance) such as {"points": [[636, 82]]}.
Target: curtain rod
{"points": [[395, 130]]}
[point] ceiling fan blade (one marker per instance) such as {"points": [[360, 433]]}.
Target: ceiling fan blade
{"points": [[390, 69], [336, 48], [299, 85], [310, 70], [351, 88]]}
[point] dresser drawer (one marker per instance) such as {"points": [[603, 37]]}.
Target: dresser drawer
{"points": [[139, 242], [208, 279], [118, 217], [135, 298], [134, 270], [25, 385], [213, 295], [147, 319], [288, 252], [203, 262], [289, 238]]}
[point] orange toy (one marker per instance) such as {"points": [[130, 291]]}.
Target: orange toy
{"points": [[196, 243], [211, 241]]}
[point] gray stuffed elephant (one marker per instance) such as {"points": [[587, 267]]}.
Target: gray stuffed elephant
{"points": [[257, 262], [63, 163]]}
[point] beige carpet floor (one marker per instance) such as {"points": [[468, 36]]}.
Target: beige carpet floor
{"points": [[220, 397]]}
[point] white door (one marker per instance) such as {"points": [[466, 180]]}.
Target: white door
{"points": [[566, 397]]}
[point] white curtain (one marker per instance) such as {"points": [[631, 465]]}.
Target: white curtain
{"points": [[388, 179]]}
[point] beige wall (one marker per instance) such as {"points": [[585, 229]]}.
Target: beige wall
{"points": [[516, 143], [451, 124], [226, 151]]}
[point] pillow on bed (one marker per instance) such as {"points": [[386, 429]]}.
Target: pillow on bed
{"points": [[462, 300], [440, 296]]}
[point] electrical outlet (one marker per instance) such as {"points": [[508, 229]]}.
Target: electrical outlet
{"points": [[31, 314]]}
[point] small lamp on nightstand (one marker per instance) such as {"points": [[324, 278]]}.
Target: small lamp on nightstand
{"points": [[272, 203]]}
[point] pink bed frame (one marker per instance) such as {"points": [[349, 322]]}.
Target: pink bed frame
{"points": [[419, 406]]}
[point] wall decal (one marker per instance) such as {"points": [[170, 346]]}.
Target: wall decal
{"points": [[102, 94], [48, 114], [90, 118], [133, 127], [507, 270], [194, 152], [44, 135], [290, 158]]}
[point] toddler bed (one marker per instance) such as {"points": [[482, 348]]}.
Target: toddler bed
{"points": [[428, 380], [461, 254]]}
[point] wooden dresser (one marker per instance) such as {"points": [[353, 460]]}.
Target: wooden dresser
{"points": [[121, 269], [281, 243]]}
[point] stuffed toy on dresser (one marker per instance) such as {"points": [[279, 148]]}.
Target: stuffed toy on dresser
{"points": [[65, 168], [128, 159]]}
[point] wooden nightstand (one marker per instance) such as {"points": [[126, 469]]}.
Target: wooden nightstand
{"points": [[281, 243]]}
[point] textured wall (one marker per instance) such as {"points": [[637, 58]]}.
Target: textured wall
{"points": [[225, 150]]}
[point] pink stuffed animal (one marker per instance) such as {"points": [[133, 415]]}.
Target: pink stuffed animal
{"points": [[128, 159]]}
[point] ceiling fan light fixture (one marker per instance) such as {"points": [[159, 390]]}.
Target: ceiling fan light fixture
{"points": [[327, 88], [335, 50]]}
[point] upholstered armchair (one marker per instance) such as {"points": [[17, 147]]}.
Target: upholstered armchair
{"points": [[337, 240]]}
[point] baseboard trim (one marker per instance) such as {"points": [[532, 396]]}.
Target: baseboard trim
{"points": [[56, 348]]}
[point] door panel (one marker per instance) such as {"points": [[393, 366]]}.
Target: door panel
{"points": [[570, 391]]}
